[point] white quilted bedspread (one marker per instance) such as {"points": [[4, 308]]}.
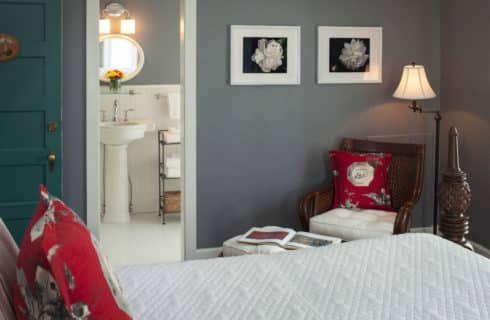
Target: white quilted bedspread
{"points": [[411, 276]]}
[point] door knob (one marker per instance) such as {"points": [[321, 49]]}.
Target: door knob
{"points": [[51, 161]]}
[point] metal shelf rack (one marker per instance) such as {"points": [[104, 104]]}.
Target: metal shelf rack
{"points": [[162, 177]]}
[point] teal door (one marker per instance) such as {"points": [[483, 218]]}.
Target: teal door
{"points": [[30, 109]]}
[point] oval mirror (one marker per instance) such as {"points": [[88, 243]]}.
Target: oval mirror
{"points": [[121, 53]]}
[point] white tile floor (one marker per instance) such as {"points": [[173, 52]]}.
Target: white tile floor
{"points": [[143, 241]]}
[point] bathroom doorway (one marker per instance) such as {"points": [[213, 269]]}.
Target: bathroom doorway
{"points": [[140, 150]]}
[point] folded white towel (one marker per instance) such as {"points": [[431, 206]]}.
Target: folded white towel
{"points": [[169, 137], [172, 169], [174, 105], [174, 130], [172, 173], [172, 163]]}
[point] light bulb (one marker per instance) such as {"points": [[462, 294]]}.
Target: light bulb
{"points": [[128, 26], [104, 26]]}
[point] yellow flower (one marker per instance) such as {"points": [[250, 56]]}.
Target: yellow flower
{"points": [[114, 74]]}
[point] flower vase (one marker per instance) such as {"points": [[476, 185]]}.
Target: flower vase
{"points": [[115, 85]]}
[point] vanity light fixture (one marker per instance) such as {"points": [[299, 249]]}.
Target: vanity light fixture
{"points": [[116, 10]]}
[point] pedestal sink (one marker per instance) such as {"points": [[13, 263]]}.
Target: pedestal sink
{"points": [[116, 136]]}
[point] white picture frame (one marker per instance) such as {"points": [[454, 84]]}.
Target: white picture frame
{"points": [[374, 73], [290, 72]]}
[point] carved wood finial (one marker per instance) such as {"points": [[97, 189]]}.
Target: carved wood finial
{"points": [[453, 159], [454, 197]]}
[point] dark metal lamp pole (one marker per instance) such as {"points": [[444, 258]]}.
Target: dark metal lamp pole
{"points": [[437, 117], [414, 85]]}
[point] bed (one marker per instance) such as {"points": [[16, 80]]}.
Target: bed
{"points": [[412, 276]]}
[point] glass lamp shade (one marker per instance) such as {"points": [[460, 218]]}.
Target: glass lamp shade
{"points": [[104, 26], [414, 84], [128, 26]]}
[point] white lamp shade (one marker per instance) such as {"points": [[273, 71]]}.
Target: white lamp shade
{"points": [[128, 26], [414, 84], [104, 26]]}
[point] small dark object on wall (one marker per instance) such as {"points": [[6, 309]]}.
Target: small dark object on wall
{"points": [[9, 47], [454, 197]]}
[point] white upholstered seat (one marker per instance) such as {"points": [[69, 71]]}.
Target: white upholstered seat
{"points": [[353, 225]]}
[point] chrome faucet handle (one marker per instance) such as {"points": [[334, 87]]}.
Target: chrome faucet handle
{"points": [[126, 114], [103, 119]]}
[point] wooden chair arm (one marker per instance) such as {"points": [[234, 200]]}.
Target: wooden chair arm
{"points": [[403, 218], [315, 203]]}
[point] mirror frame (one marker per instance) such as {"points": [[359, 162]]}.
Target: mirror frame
{"points": [[141, 54]]}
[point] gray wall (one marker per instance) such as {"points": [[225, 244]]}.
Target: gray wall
{"points": [[157, 31], [73, 109], [260, 148], [465, 99]]}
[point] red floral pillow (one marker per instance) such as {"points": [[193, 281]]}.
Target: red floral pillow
{"points": [[361, 180], [61, 273]]}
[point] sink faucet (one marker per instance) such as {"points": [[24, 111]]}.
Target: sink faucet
{"points": [[126, 119], [115, 115]]}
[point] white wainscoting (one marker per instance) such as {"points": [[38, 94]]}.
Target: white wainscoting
{"points": [[152, 102]]}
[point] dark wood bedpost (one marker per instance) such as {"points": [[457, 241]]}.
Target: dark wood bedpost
{"points": [[454, 197]]}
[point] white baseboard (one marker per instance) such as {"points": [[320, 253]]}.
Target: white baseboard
{"points": [[208, 253], [422, 230]]}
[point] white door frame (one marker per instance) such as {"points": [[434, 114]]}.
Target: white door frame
{"points": [[188, 18], [92, 148]]}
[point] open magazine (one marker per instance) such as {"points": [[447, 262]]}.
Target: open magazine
{"points": [[287, 238]]}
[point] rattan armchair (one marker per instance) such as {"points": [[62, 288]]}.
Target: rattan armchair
{"points": [[405, 182]]}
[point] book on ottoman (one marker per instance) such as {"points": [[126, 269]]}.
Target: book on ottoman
{"points": [[286, 238]]}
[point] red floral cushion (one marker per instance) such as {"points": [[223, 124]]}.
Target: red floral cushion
{"points": [[61, 273], [361, 180]]}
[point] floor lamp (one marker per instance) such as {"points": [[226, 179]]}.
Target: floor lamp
{"points": [[415, 86]]}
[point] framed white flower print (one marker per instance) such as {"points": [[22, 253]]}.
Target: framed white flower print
{"points": [[265, 55], [350, 54]]}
